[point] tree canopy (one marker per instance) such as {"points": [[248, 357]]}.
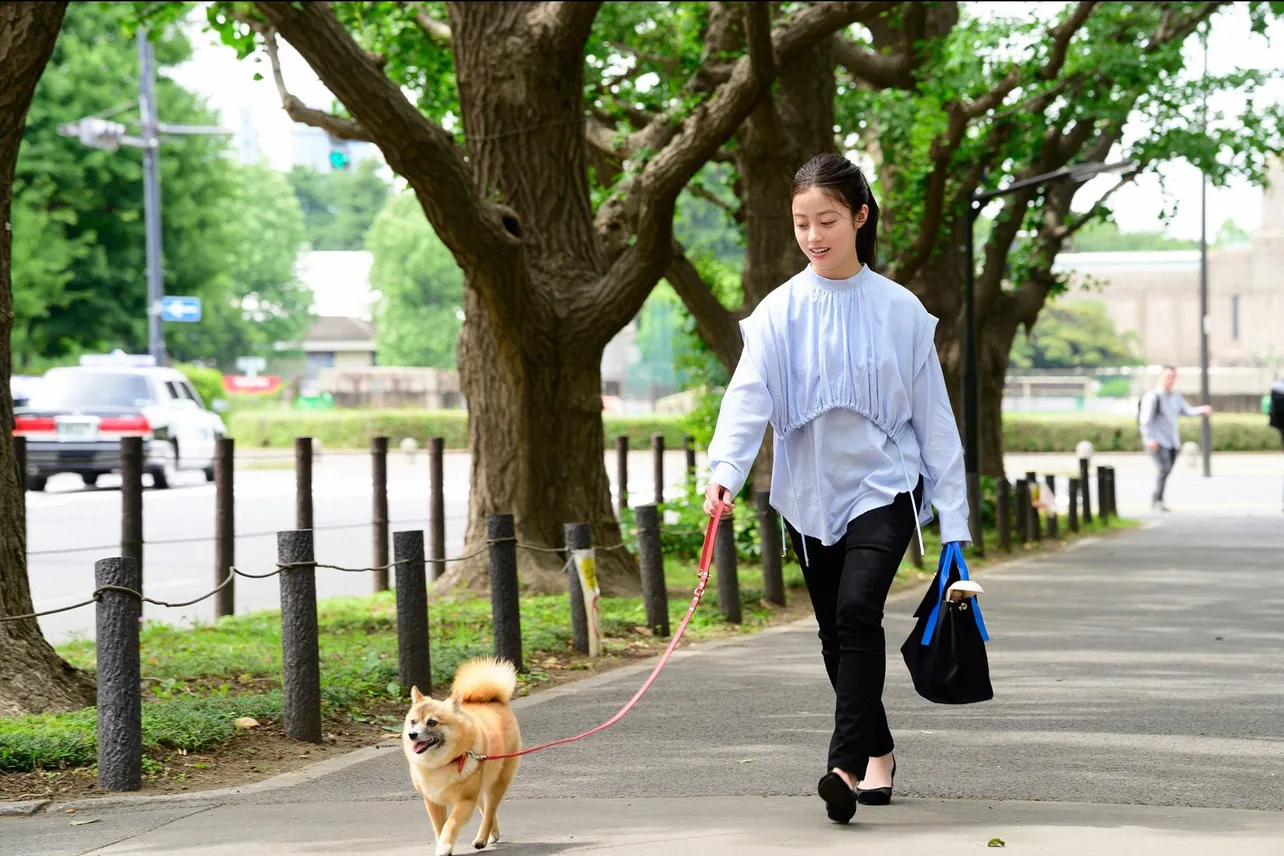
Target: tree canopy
{"points": [[230, 232]]}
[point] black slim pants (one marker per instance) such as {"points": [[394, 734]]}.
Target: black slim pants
{"points": [[848, 583]]}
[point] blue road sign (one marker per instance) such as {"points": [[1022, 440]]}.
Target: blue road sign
{"points": [[181, 309]]}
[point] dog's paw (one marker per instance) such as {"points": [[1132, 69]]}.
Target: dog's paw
{"points": [[494, 838], [445, 849], [479, 844]]}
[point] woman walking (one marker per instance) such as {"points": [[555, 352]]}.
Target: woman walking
{"points": [[842, 363]]}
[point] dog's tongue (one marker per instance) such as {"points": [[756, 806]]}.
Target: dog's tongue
{"points": [[421, 747]]}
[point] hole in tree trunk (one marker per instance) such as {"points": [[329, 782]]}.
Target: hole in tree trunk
{"points": [[512, 225]]}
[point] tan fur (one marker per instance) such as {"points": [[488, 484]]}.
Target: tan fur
{"points": [[476, 717]]}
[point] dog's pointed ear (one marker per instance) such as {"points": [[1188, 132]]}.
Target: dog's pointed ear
{"points": [[456, 699], [415, 695]]}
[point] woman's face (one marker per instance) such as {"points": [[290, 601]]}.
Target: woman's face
{"points": [[826, 233]]}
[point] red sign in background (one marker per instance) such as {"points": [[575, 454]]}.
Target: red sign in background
{"points": [[246, 385]]}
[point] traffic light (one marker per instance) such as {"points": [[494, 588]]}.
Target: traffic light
{"points": [[340, 157]]}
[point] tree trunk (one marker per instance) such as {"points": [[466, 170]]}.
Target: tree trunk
{"points": [[33, 678], [531, 373]]}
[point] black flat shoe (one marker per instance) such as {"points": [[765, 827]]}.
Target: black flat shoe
{"points": [[877, 796], [840, 800]]}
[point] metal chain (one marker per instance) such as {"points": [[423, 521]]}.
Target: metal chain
{"points": [[237, 572]]}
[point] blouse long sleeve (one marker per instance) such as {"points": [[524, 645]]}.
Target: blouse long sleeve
{"points": [[940, 448], [742, 421]]}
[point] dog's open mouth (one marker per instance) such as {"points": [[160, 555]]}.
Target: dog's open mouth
{"points": [[422, 746]]}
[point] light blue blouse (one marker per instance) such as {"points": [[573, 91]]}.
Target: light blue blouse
{"points": [[847, 374]]}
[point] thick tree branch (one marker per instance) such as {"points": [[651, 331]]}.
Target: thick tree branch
{"points": [[437, 31], [885, 71], [571, 20], [717, 325], [344, 129], [649, 200], [415, 147]]}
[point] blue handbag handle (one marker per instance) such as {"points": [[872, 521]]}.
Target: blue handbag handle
{"points": [[952, 551]]}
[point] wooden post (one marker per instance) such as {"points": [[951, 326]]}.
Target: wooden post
{"points": [[436, 507], [379, 468], [302, 482], [131, 501], [300, 658], [1074, 505], [622, 471], [120, 712], [579, 536], [773, 578], [657, 453], [1003, 512], [1084, 485], [414, 663], [1022, 512], [505, 608], [224, 526], [724, 553], [655, 595]]}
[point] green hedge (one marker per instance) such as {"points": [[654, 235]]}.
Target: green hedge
{"points": [[1232, 432], [352, 429]]}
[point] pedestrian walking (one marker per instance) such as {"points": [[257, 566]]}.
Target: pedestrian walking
{"points": [[842, 363], [1158, 413], [1275, 410]]}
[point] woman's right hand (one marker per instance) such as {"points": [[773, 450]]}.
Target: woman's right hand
{"points": [[712, 494]]}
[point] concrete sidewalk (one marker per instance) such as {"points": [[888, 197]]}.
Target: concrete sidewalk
{"points": [[1138, 684]]}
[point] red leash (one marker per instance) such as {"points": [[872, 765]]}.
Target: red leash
{"points": [[706, 557]]}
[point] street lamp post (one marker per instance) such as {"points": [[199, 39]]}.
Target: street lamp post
{"points": [[99, 133], [1077, 173]]}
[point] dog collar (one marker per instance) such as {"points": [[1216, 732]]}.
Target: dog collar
{"points": [[460, 761]]}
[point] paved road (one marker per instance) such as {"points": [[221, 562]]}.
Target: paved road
{"points": [[69, 527], [1138, 681]]}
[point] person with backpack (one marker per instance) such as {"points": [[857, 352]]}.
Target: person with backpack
{"points": [[1275, 410], [1160, 408]]}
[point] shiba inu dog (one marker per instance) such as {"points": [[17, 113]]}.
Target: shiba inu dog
{"points": [[439, 736]]}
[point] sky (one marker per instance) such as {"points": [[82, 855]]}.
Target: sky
{"points": [[229, 88]]}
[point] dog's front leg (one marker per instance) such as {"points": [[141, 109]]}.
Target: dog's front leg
{"points": [[436, 813], [460, 813]]}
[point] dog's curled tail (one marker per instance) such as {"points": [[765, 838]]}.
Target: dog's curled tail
{"points": [[485, 679]]}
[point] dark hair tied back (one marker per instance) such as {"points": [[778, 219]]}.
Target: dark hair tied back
{"points": [[843, 182]]}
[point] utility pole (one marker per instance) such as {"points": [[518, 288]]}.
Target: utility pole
{"points": [[98, 133], [1205, 426], [151, 196]]}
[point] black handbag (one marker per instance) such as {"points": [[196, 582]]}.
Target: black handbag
{"points": [[945, 653]]}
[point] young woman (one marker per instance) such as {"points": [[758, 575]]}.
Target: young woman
{"points": [[841, 362]]}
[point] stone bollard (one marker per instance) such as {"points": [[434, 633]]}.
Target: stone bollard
{"points": [[579, 536], [408, 448]]}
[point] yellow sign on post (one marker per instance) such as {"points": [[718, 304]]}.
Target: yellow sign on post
{"points": [[586, 567]]}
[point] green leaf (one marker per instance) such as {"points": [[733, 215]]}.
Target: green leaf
{"points": [[996, 842]]}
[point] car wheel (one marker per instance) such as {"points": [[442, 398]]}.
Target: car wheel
{"points": [[90, 479], [37, 483]]}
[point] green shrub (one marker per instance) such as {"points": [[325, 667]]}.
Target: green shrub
{"points": [[1232, 432], [352, 429], [207, 382]]}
